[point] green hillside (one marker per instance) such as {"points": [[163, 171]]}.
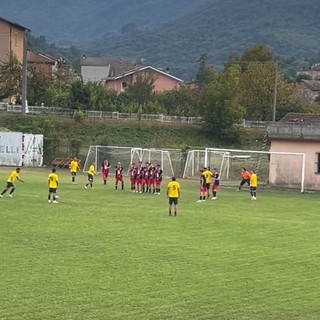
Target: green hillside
{"points": [[74, 22], [221, 28], [174, 34]]}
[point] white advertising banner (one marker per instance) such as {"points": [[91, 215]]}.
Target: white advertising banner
{"points": [[32, 150], [10, 148]]}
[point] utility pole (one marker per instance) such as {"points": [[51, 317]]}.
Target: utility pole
{"points": [[275, 93], [24, 75]]}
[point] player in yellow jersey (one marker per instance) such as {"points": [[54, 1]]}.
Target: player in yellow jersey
{"points": [[253, 185], [208, 176], [74, 167], [91, 173], [53, 186], [173, 194], [14, 175]]}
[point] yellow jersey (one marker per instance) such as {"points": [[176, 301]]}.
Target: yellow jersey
{"points": [[53, 180], [13, 176], [173, 189], [208, 175], [91, 170], [74, 166], [253, 180]]}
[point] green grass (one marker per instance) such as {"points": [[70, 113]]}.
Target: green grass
{"points": [[106, 254]]}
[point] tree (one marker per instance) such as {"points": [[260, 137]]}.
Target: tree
{"points": [[257, 89], [258, 52], [182, 101], [10, 77], [221, 111], [140, 91], [303, 76], [38, 83], [205, 73]]}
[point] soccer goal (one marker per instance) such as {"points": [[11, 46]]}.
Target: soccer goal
{"points": [[280, 169], [127, 156], [197, 159]]}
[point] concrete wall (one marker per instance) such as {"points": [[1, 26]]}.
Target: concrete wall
{"points": [[286, 169]]}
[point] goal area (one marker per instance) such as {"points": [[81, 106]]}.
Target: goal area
{"points": [[274, 169], [127, 156]]}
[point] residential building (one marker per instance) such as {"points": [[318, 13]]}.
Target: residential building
{"points": [[40, 62], [295, 133], [95, 69], [12, 39], [313, 72], [310, 90], [117, 74], [163, 80]]}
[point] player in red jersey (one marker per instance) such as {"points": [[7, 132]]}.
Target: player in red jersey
{"points": [[151, 182], [105, 167], [203, 187], [145, 181], [119, 176], [158, 178], [139, 177], [133, 177], [216, 184]]}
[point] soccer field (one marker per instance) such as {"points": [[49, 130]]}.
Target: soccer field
{"points": [[110, 254]]}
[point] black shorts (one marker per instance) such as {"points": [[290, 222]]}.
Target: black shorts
{"points": [[208, 186], [173, 201], [10, 185], [52, 190], [253, 188], [90, 177], [73, 173], [243, 181]]}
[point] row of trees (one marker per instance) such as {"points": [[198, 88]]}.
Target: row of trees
{"points": [[248, 87]]}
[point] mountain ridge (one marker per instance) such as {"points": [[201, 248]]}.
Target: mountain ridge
{"points": [[174, 34]]}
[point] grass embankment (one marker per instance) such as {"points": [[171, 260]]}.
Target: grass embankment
{"points": [[66, 136]]}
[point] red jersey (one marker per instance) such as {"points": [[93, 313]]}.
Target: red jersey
{"points": [[158, 174], [119, 170]]}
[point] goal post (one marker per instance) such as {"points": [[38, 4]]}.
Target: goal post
{"points": [[281, 169]]}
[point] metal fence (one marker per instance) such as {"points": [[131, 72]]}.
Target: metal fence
{"points": [[53, 111]]}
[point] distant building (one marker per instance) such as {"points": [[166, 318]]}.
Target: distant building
{"points": [[117, 74], [95, 69], [164, 81], [298, 133], [313, 72], [11, 39], [40, 62], [310, 90]]}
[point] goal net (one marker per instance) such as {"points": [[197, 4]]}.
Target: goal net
{"points": [[197, 159], [279, 169], [154, 156], [127, 156]]}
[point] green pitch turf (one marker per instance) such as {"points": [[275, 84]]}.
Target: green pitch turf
{"points": [[104, 254]]}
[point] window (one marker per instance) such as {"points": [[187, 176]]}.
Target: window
{"points": [[124, 86], [16, 39], [317, 164]]}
